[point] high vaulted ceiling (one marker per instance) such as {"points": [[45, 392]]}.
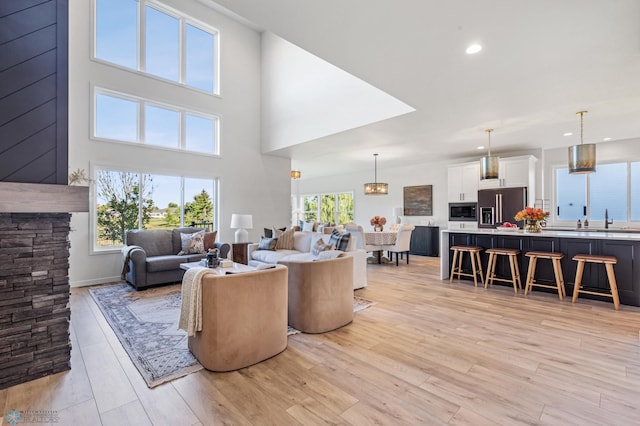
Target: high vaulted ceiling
{"points": [[542, 62]]}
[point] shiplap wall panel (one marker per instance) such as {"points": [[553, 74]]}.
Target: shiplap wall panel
{"points": [[24, 74], [26, 21], [33, 91], [8, 7]]}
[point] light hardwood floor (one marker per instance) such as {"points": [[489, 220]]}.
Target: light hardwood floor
{"points": [[426, 353]]}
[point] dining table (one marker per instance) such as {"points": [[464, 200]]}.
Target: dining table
{"points": [[380, 238]]}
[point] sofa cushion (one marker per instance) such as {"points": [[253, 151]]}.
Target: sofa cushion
{"points": [[165, 263], [267, 243], [319, 246], [175, 237], [268, 256], [268, 232], [155, 242], [192, 243], [340, 240], [210, 240], [285, 239], [302, 240], [299, 257]]}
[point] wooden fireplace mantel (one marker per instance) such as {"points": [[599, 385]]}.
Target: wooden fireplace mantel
{"points": [[42, 198]]}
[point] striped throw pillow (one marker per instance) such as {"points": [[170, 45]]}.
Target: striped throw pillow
{"points": [[285, 239], [340, 240]]}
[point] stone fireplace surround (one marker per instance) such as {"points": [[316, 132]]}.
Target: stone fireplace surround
{"points": [[34, 281]]}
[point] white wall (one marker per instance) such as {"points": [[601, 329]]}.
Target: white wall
{"points": [[249, 181], [306, 98], [367, 206]]}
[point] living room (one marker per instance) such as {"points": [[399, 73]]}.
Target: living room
{"points": [[251, 179]]}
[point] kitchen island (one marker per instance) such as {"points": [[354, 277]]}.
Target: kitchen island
{"points": [[625, 246]]}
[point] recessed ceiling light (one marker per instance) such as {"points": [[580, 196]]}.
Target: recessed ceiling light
{"points": [[606, 139], [567, 134], [474, 48], [480, 147]]}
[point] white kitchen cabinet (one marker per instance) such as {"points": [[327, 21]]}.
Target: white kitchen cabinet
{"points": [[463, 182], [514, 172], [463, 225]]}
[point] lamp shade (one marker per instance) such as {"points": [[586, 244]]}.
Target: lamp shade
{"points": [[295, 174], [489, 167], [376, 188], [582, 158], [397, 211], [244, 221]]}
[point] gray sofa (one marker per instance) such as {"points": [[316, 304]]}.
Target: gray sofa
{"points": [[151, 256]]}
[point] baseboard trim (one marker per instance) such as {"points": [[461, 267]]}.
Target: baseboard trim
{"points": [[96, 281]]}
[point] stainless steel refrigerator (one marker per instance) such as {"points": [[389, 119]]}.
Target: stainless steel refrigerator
{"points": [[496, 206]]}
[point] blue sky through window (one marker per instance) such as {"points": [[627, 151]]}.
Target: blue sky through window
{"points": [[199, 58], [116, 118], [163, 44], [116, 32], [162, 127]]}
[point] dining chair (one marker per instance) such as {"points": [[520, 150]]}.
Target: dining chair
{"points": [[403, 242]]}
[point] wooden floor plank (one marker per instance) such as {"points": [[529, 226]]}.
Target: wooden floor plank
{"points": [[427, 352]]}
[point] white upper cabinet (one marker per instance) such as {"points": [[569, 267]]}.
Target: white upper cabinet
{"points": [[514, 172], [463, 182]]}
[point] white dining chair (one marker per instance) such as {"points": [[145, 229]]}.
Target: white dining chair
{"points": [[402, 245]]}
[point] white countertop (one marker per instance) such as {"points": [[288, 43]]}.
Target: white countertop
{"points": [[596, 235]]}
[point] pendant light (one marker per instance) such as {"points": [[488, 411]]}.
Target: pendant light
{"points": [[582, 158], [376, 188], [489, 165]]}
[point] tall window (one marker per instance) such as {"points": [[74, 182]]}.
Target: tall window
{"points": [[131, 200], [591, 195], [125, 118], [148, 37], [332, 208]]}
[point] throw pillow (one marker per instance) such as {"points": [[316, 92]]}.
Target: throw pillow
{"points": [[308, 226], [268, 232], [210, 240], [330, 254], [340, 240], [267, 243], [285, 239], [319, 246], [192, 243]]}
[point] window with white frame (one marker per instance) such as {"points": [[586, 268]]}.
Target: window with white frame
{"points": [[593, 195], [128, 200], [149, 37], [120, 117], [332, 208]]}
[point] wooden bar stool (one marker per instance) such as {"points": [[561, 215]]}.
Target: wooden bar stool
{"points": [[476, 264], [608, 261], [513, 264], [557, 271]]}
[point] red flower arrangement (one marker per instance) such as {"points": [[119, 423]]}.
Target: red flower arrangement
{"points": [[532, 214], [378, 220]]}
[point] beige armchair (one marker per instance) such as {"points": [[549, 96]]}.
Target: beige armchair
{"points": [[403, 242], [244, 319], [320, 294]]}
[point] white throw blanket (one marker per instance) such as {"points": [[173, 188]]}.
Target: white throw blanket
{"points": [[191, 311]]}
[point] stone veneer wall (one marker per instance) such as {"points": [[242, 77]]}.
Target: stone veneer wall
{"points": [[34, 296]]}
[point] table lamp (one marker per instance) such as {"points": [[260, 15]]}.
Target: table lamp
{"points": [[397, 212], [242, 222]]}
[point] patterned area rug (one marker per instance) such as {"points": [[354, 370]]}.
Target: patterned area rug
{"points": [[146, 323]]}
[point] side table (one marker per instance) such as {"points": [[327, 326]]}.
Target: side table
{"points": [[240, 252]]}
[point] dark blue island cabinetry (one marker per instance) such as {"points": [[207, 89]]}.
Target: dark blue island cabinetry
{"points": [[624, 246]]}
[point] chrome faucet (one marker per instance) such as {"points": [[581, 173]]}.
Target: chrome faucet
{"points": [[607, 222]]}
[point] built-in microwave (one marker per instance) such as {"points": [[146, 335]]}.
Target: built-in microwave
{"points": [[463, 212]]}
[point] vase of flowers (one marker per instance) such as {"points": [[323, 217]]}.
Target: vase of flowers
{"points": [[532, 218], [377, 222]]}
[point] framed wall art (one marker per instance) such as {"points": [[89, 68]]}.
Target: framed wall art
{"points": [[418, 200]]}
